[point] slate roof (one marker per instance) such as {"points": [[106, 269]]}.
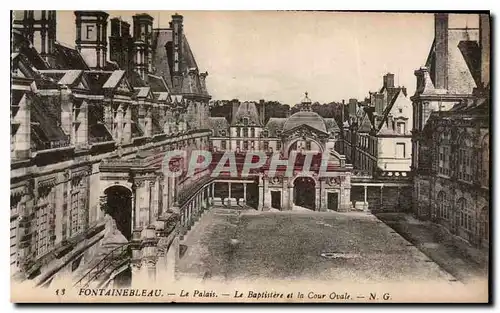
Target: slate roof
{"points": [[217, 124], [331, 125], [308, 118], [157, 83], [67, 58], [249, 110], [274, 125], [114, 79]]}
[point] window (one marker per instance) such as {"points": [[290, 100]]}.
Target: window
{"points": [[443, 206], [245, 121], [266, 145], [485, 224], [444, 154], [245, 132], [265, 133], [465, 215], [252, 132], [308, 145], [245, 145], [465, 159], [73, 221], [238, 144], [278, 145], [401, 128], [484, 164], [223, 133], [223, 145], [238, 132], [400, 110], [400, 150]]}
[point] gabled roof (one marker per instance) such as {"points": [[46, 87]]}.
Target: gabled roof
{"points": [[389, 108], [143, 92], [366, 124], [114, 79], [472, 55], [67, 58]]}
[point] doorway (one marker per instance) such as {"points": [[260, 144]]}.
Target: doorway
{"points": [[276, 199], [333, 201], [305, 192]]}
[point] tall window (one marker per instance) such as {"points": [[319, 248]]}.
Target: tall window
{"points": [[266, 145], [252, 132], [223, 145], [465, 215], [238, 132], [443, 206], [484, 164], [401, 128], [73, 221], [400, 150], [245, 132], [278, 145], [245, 145], [485, 224], [308, 145], [43, 211], [444, 154], [465, 159], [245, 121]]}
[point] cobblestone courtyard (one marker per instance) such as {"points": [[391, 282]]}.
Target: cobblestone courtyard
{"points": [[227, 244]]}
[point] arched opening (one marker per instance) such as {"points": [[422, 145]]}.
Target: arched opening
{"points": [[304, 145], [119, 207], [305, 192]]}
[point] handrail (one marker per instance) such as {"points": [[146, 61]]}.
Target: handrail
{"points": [[111, 253]]}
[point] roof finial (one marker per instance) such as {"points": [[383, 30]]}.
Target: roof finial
{"points": [[306, 93]]}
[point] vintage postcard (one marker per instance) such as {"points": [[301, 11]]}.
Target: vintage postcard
{"points": [[250, 156]]}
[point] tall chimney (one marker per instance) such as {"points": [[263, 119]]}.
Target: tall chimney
{"points": [[91, 37], [120, 43], [178, 53], [353, 106], [235, 104], [389, 80], [441, 50], [40, 29], [143, 30], [484, 42], [262, 111]]}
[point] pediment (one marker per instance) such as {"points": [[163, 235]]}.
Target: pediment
{"points": [[304, 131]]}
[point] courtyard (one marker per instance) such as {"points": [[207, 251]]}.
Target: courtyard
{"points": [[229, 244]]}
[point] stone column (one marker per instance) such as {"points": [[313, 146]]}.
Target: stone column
{"points": [[381, 197], [244, 193], [212, 193], [290, 195], [317, 200], [260, 204], [365, 204]]}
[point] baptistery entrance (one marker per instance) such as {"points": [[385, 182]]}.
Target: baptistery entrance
{"points": [[305, 192], [119, 207]]}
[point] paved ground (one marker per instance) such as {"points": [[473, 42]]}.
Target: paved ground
{"points": [[457, 258], [229, 244]]}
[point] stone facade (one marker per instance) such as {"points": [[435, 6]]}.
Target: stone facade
{"points": [[451, 137], [88, 139]]}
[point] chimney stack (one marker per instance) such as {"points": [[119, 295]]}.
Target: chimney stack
{"points": [[484, 43], [353, 106], [143, 30], [441, 50], [91, 37], [262, 111], [234, 108], [120, 43], [178, 53], [389, 80], [40, 28]]}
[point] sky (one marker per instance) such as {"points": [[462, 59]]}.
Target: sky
{"points": [[252, 55]]}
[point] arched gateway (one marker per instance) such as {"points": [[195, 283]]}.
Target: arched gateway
{"points": [[119, 207], [304, 189]]}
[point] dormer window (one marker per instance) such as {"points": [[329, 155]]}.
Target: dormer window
{"points": [[278, 132], [245, 121], [265, 133], [222, 133]]}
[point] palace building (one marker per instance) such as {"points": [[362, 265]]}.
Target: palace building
{"points": [[304, 133], [88, 136], [451, 139]]}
